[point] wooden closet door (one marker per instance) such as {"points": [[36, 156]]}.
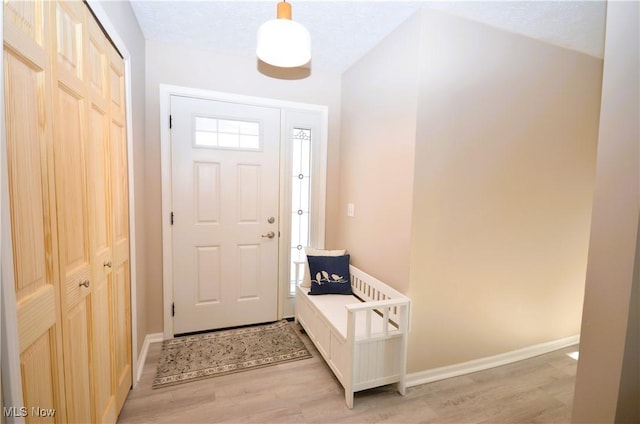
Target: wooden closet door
{"points": [[99, 179], [29, 110], [70, 134], [67, 156], [120, 221]]}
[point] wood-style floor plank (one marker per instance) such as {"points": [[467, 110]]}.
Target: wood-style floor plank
{"points": [[538, 390]]}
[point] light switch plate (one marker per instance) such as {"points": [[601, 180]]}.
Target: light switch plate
{"points": [[351, 209]]}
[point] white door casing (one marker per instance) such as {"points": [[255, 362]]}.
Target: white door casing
{"points": [[291, 112], [225, 213]]}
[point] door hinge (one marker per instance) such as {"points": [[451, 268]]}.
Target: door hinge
{"points": [[170, 121], [173, 309], [171, 218]]}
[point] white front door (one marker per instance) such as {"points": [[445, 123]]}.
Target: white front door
{"points": [[225, 199]]}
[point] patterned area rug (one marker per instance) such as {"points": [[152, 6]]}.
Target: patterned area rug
{"points": [[206, 355]]}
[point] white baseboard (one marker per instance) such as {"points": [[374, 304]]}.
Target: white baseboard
{"points": [[428, 376], [148, 339]]}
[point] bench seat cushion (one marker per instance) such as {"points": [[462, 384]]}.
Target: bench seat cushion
{"points": [[333, 308]]}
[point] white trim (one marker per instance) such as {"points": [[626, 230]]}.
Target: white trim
{"points": [[165, 182], [284, 227], [176, 90], [108, 26], [148, 339], [422, 377], [166, 91]]}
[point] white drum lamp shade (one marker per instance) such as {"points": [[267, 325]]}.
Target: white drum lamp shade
{"points": [[283, 42]]}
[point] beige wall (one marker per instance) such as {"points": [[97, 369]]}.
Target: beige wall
{"points": [[182, 66], [606, 387], [505, 159], [122, 17], [379, 100], [469, 153]]}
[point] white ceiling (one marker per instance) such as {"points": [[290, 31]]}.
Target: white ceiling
{"points": [[343, 31]]}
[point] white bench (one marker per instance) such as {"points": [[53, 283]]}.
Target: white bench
{"points": [[363, 338]]}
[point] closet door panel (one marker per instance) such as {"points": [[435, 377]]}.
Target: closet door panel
{"points": [[72, 206], [69, 17], [74, 258], [27, 18], [71, 195], [67, 166], [77, 371], [118, 145], [122, 332], [28, 135], [121, 303], [102, 297], [36, 365], [120, 220], [103, 343], [26, 146], [99, 156], [99, 174], [119, 192], [34, 282]]}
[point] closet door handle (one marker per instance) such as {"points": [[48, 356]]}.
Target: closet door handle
{"points": [[85, 283], [107, 264]]}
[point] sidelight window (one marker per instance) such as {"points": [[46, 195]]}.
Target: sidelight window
{"points": [[300, 199]]}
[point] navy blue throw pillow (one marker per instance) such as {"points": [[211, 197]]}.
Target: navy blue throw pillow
{"points": [[329, 274]]}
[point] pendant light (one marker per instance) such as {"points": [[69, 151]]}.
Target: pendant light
{"points": [[283, 42]]}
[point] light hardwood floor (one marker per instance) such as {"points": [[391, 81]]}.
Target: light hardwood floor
{"points": [[538, 390]]}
